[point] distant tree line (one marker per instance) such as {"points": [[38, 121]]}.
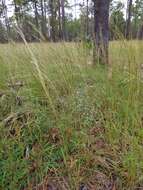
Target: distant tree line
{"points": [[50, 20]]}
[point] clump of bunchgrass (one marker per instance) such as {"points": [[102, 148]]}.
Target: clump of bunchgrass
{"points": [[63, 120]]}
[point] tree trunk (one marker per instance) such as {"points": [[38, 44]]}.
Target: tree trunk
{"points": [[52, 20], [59, 19], [63, 20], [140, 33], [6, 18], [101, 31], [128, 22], [36, 18], [43, 21], [87, 18], [16, 12]]}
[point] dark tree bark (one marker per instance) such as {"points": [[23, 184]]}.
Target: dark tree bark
{"points": [[128, 22], [59, 19], [53, 20], [140, 33], [87, 18], [101, 31], [43, 20], [63, 20], [37, 19], [36, 15]]}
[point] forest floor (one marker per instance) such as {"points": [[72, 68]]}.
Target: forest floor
{"points": [[67, 125]]}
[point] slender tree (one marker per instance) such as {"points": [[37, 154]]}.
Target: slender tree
{"points": [[5, 15], [87, 17], [17, 11], [36, 14], [101, 31], [59, 19], [63, 20], [128, 21], [43, 19], [53, 19]]}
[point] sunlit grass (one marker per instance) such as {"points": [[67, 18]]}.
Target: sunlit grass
{"points": [[65, 120]]}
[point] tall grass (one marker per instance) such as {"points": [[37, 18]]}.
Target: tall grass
{"points": [[66, 123]]}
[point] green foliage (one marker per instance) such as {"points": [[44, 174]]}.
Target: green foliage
{"points": [[3, 34], [73, 28], [65, 120], [117, 22], [137, 17]]}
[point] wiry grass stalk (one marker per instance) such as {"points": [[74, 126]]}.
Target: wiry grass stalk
{"points": [[34, 61]]}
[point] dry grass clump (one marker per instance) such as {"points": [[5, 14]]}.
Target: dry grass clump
{"points": [[64, 124]]}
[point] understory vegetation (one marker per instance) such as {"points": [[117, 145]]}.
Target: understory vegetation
{"points": [[65, 124]]}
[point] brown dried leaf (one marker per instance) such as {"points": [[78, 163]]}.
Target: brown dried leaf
{"points": [[54, 135]]}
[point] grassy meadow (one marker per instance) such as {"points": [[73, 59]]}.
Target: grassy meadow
{"points": [[68, 125]]}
